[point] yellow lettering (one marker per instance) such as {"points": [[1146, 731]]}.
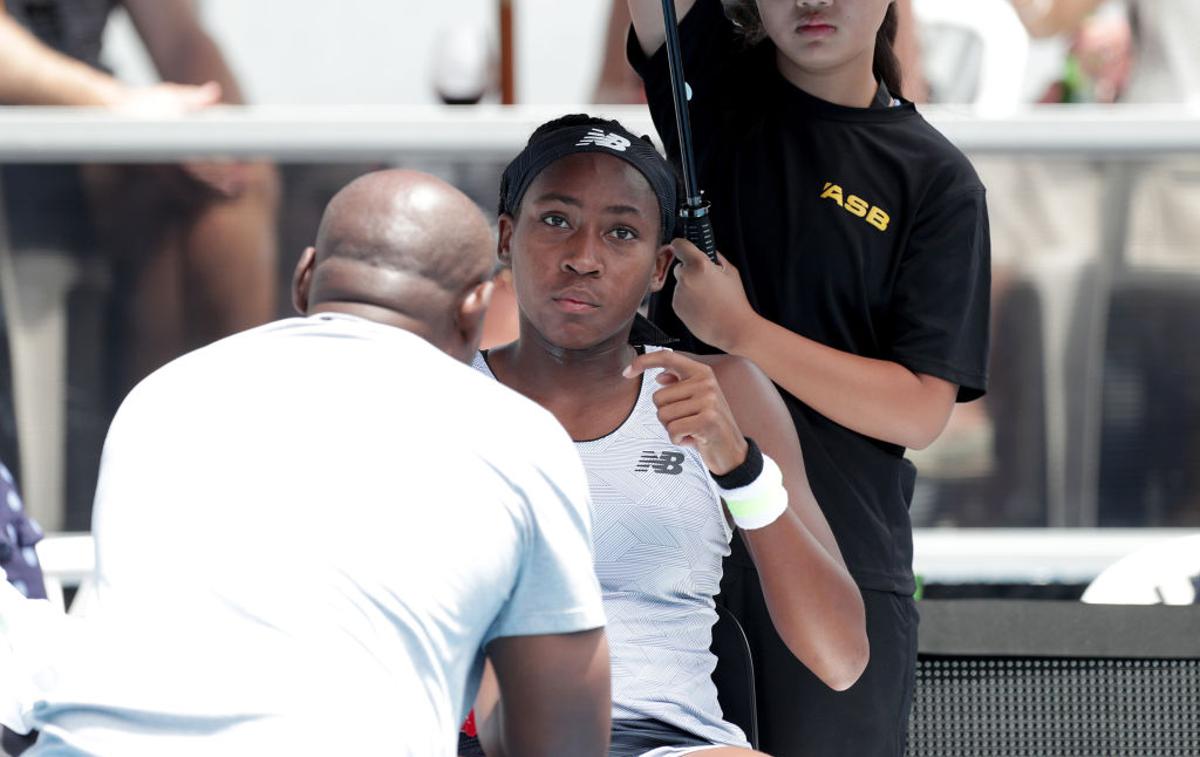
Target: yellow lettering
{"points": [[878, 219], [857, 205], [833, 192]]}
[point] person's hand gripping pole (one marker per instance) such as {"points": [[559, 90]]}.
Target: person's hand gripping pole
{"points": [[710, 299]]}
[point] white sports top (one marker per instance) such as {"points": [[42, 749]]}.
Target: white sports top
{"points": [[659, 534]]}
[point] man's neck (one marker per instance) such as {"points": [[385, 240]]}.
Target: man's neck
{"points": [[389, 317], [370, 312], [851, 84]]}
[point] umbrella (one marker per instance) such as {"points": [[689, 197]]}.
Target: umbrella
{"points": [[697, 225]]}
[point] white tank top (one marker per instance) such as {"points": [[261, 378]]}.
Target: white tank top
{"points": [[659, 534]]}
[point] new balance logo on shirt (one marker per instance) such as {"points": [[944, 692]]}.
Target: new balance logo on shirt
{"points": [[601, 138], [660, 462]]}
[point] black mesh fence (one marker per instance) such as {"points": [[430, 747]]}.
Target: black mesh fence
{"points": [[1006, 707], [1013, 678]]}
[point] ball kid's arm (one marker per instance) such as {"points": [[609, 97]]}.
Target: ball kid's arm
{"points": [[647, 18]]}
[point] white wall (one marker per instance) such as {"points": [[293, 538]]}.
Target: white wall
{"points": [[559, 47], [376, 51]]}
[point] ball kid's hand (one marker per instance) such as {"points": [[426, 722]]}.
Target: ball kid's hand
{"points": [[709, 298], [693, 409]]}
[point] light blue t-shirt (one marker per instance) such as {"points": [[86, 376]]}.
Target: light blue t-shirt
{"points": [[306, 535]]}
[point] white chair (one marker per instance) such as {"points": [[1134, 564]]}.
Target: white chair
{"points": [[34, 286], [974, 52], [1166, 573], [69, 562]]}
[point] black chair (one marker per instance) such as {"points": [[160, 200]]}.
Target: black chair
{"points": [[733, 677], [1150, 417], [734, 674]]}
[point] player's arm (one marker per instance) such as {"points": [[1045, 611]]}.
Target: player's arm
{"points": [[814, 603], [545, 695], [712, 404], [647, 18]]}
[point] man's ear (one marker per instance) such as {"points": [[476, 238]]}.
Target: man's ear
{"points": [[302, 279], [662, 266], [506, 225], [471, 311]]}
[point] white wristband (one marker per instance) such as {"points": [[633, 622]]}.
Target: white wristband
{"points": [[760, 502]]}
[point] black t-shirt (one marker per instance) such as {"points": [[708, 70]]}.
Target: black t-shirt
{"points": [[861, 228]]}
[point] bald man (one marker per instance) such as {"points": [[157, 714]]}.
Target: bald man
{"points": [[306, 542]]}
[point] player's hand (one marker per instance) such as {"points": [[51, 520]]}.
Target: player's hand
{"points": [[166, 100], [710, 299], [693, 409]]}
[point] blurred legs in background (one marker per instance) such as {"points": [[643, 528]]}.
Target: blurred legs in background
{"points": [[199, 265]]}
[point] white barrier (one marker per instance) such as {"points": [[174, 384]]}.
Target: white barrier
{"points": [[349, 133], [942, 555], [1027, 555], [68, 562]]}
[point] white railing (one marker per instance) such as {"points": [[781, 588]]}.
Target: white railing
{"points": [[942, 555], [1027, 555], [68, 562], [343, 133]]}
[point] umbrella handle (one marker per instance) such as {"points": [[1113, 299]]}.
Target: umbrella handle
{"points": [[697, 228]]}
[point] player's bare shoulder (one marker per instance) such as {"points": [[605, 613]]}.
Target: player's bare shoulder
{"points": [[736, 375]]}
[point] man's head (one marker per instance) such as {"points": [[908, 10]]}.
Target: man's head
{"points": [[406, 249]]}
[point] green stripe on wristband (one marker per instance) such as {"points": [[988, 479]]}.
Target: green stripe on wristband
{"points": [[759, 503]]}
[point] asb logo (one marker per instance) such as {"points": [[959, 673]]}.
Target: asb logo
{"points": [[670, 463], [856, 205], [602, 139]]}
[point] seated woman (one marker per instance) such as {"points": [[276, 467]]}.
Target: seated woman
{"points": [[587, 212]]}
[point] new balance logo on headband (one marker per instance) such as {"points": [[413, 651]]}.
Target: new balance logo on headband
{"points": [[665, 462], [604, 139]]}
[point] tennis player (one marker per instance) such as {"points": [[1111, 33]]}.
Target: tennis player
{"points": [[680, 450]]}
